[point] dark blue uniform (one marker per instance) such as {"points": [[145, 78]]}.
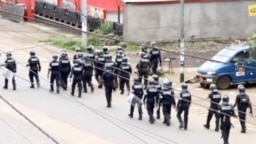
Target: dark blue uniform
{"points": [[243, 102], [99, 68], [77, 74], [109, 82], [215, 98], [54, 69], [137, 90], [150, 97], [125, 71], [10, 64], [167, 99], [65, 68], [143, 69], [155, 59], [34, 68], [225, 111], [183, 106], [88, 71]]}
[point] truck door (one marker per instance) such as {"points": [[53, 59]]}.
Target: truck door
{"points": [[243, 68]]}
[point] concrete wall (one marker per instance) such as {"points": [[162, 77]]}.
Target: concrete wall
{"points": [[143, 23], [112, 16]]}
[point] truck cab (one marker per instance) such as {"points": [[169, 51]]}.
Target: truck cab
{"points": [[230, 66]]}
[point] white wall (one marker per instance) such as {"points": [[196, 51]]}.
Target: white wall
{"points": [[161, 22]]}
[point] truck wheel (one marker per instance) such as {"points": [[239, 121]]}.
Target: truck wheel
{"points": [[223, 82]]}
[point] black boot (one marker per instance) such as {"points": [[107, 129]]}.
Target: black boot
{"points": [[32, 85], [5, 84], [92, 89], [131, 111], [158, 114], [140, 112], [58, 91]]}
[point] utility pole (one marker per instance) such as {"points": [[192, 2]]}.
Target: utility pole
{"points": [[182, 42], [84, 22]]}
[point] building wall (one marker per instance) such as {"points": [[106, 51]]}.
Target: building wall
{"points": [[112, 17], [161, 22]]}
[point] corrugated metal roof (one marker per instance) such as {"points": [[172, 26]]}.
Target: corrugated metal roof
{"points": [[126, 1]]}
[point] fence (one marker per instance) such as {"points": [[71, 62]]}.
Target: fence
{"points": [[14, 12]]}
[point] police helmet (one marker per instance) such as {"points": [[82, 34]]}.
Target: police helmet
{"points": [[64, 54], [119, 48], [213, 86], [8, 54], [215, 90], [184, 86], [241, 88], [153, 44], [55, 57], [167, 82], [145, 56], [105, 49], [99, 52], [90, 48], [78, 49], [32, 52], [86, 57], [151, 83], [80, 55], [136, 80], [124, 60], [225, 99], [143, 47], [155, 77]]}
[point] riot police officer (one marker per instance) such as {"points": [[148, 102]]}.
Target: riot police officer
{"points": [[106, 53], [99, 66], [144, 49], [242, 102], [137, 90], [151, 95], [65, 68], [215, 98], [34, 68], [143, 69], [120, 49], [155, 57], [78, 54], [10, 64], [225, 111], [90, 53], [158, 85], [54, 70], [109, 81], [118, 59], [124, 75], [88, 71], [167, 99], [183, 106], [77, 75]]}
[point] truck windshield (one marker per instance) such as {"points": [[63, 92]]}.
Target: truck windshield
{"points": [[224, 55]]}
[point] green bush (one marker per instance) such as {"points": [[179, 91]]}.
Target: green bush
{"points": [[93, 40], [65, 43], [106, 28], [132, 48]]}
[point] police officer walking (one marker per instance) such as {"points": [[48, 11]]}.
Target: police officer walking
{"points": [[54, 70], [10, 64], [150, 98], [90, 53], [242, 102], [65, 68], [124, 75], [118, 59], [77, 75], [88, 71], [99, 66], [143, 69], [158, 86], [183, 106], [155, 57], [109, 81], [34, 68], [167, 99], [137, 90], [215, 98], [78, 54], [225, 111]]}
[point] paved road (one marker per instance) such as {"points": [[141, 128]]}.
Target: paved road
{"points": [[71, 120]]}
